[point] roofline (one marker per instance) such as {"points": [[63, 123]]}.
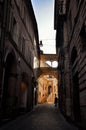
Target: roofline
{"points": [[35, 26]]}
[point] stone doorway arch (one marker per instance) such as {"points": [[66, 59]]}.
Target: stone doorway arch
{"points": [[47, 88], [9, 86]]}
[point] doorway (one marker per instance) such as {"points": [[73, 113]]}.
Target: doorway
{"points": [[9, 87]]}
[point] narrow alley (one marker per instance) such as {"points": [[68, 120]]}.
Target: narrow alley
{"points": [[43, 117], [42, 64]]}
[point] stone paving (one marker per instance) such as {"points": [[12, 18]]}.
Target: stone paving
{"points": [[43, 117]]}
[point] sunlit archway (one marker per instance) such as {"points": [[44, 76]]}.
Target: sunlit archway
{"points": [[47, 88]]}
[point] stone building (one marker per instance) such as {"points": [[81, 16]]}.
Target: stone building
{"points": [[70, 26], [19, 46]]}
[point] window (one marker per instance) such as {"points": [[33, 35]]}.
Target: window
{"points": [[61, 7], [54, 64]]}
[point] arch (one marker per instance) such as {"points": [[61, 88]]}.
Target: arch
{"points": [[48, 62], [9, 86], [10, 52], [54, 64], [47, 87]]}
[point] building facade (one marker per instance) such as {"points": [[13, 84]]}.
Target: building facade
{"points": [[19, 46], [70, 26]]}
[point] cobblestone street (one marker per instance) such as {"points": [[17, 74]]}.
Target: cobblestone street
{"points": [[43, 117]]}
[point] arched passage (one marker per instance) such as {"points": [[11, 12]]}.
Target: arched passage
{"points": [[9, 87], [47, 88], [75, 80]]}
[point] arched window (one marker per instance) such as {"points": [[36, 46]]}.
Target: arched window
{"points": [[54, 64], [48, 62]]}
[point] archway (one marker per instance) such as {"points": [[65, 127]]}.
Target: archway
{"points": [[9, 87], [75, 80], [47, 88], [53, 64]]}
